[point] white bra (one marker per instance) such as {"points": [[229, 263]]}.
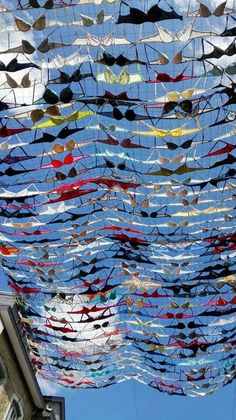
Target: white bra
{"points": [[58, 61], [186, 34]]}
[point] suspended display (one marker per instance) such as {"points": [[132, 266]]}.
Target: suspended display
{"points": [[117, 190]]}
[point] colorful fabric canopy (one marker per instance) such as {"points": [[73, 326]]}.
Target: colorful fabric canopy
{"points": [[117, 190]]}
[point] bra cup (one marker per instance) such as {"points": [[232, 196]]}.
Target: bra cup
{"points": [[163, 59], [137, 16], [117, 114], [44, 46], [130, 115], [34, 4], [204, 11], [186, 106], [108, 59], [22, 25], [100, 17], [66, 95], [48, 4], [178, 58], [26, 82], [188, 93], [11, 82], [219, 11], [173, 96], [40, 23], [86, 20], [27, 47], [36, 115], [50, 97], [169, 106], [121, 60], [64, 78]]}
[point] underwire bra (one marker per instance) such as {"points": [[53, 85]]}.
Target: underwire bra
{"points": [[154, 14], [124, 77], [49, 4], [129, 115], [13, 66], [121, 61], [27, 48], [76, 76], [164, 35], [205, 12], [100, 18], [219, 52], [23, 26]]}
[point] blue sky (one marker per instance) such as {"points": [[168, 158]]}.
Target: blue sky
{"points": [[133, 401]]}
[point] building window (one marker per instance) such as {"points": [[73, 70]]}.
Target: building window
{"points": [[15, 410], [3, 372]]}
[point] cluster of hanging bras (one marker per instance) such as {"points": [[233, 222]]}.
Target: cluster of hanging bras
{"points": [[117, 190]]}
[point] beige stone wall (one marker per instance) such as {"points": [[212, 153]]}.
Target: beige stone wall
{"points": [[15, 382]]}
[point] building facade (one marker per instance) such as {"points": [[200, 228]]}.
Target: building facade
{"points": [[20, 395]]}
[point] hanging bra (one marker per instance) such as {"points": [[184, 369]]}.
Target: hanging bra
{"points": [[121, 61], [205, 12], [186, 145], [95, 41], [129, 115], [24, 83], [76, 76], [183, 169], [164, 35], [226, 149], [13, 66], [49, 4], [219, 52], [27, 48], [100, 18], [54, 121], [58, 61], [175, 132], [63, 134], [124, 77], [23, 26], [165, 78], [154, 14]]}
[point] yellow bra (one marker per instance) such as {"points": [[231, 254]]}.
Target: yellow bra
{"points": [[175, 132], [124, 78], [61, 120]]}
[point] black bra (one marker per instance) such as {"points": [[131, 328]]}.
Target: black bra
{"points": [[154, 14], [174, 146], [76, 76], [13, 65], [50, 97], [63, 134], [129, 115], [49, 4], [230, 160], [121, 61], [219, 52]]}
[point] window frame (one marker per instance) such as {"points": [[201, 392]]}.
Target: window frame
{"points": [[15, 400]]}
